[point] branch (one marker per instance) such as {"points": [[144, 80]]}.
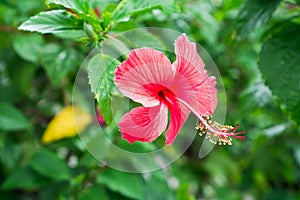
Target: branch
{"points": [[9, 29]]}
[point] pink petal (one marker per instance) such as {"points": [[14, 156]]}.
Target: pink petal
{"points": [[193, 85], [142, 73], [179, 115], [178, 112], [144, 124], [186, 53]]}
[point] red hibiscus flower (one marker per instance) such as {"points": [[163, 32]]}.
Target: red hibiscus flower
{"points": [[148, 77]]}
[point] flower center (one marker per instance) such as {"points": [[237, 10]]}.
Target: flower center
{"points": [[167, 97]]}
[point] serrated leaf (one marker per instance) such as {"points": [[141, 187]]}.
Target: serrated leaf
{"points": [[129, 185], [55, 21], [101, 72], [59, 61], [50, 165], [24, 178], [280, 65], [81, 8], [254, 13], [128, 8], [77, 5], [63, 124], [28, 47], [11, 119]]}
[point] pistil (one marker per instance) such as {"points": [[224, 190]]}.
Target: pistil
{"points": [[215, 131]]}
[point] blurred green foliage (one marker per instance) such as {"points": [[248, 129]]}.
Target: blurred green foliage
{"points": [[256, 46]]}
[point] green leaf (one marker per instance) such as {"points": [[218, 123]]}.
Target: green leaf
{"points": [[254, 13], [9, 93], [257, 95], [88, 161], [109, 7], [158, 184], [81, 6], [50, 165], [11, 119], [54, 190], [71, 35], [297, 155], [94, 192], [29, 46], [90, 32], [129, 185], [101, 72], [25, 76], [137, 147], [10, 153], [277, 129], [128, 8], [55, 21], [183, 193], [106, 17], [280, 66], [141, 38], [7, 14], [124, 26], [24, 178], [59, 61]]}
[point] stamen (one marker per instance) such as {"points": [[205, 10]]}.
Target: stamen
{"points": [[215, 132]]}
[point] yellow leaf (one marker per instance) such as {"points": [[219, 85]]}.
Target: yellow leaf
{"points": [[63, 125]]}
